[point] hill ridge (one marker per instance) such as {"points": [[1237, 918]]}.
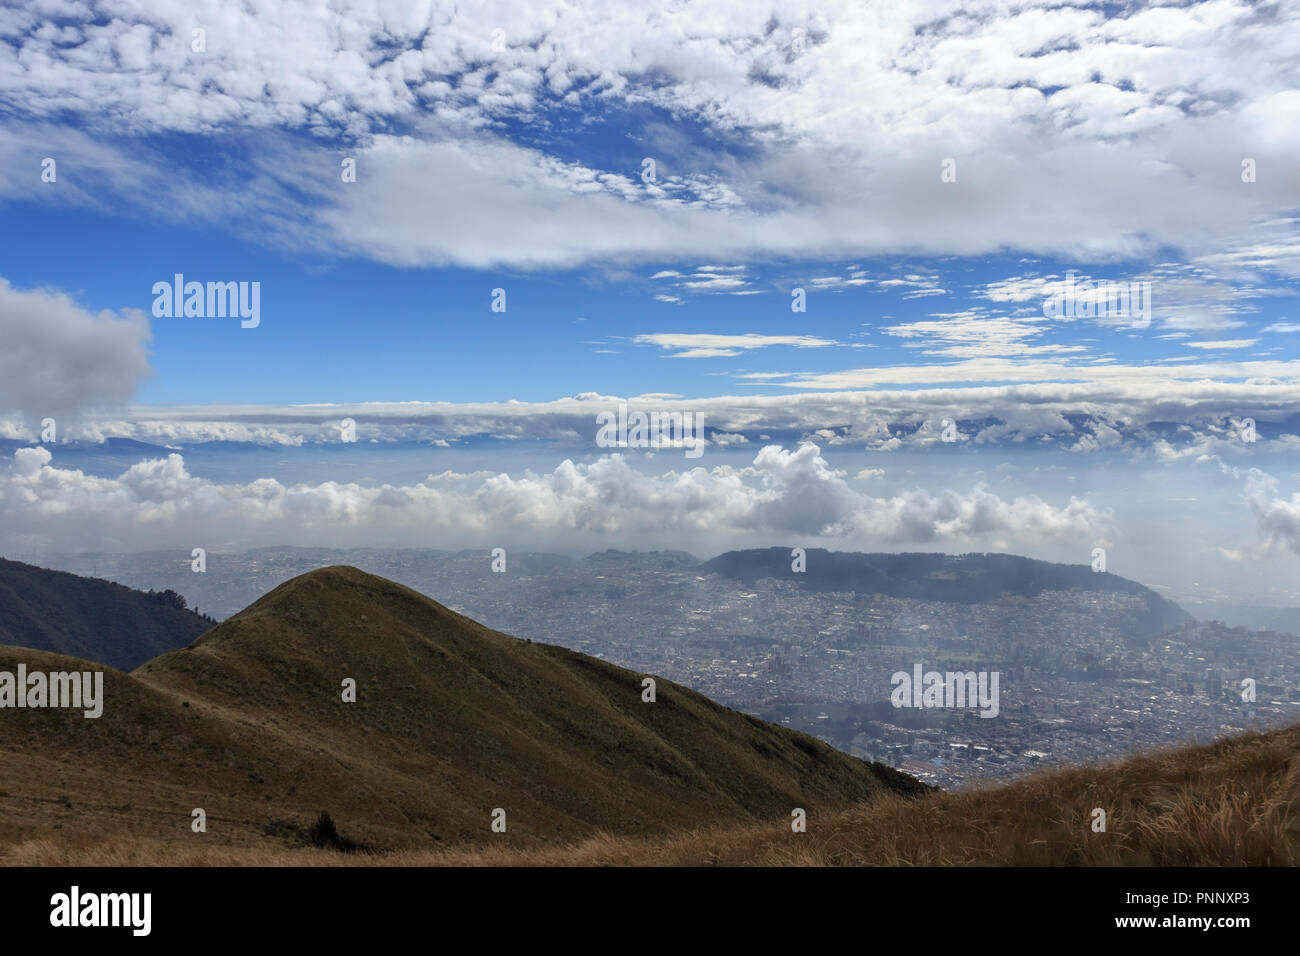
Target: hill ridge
{"points": [[92, 618], [973, 577], [451, 719]]}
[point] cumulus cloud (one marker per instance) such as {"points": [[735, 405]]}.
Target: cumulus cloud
{"points": [[159, 503], [58, 359], [1276, 518]]}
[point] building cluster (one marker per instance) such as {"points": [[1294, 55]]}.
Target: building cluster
{"points": [[1081, 679]]}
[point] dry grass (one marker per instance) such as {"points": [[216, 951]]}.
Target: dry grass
{"points": [[1228, 804], [451, 720]]}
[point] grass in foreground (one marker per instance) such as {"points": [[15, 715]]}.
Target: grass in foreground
{"points": [[1227, 804]]}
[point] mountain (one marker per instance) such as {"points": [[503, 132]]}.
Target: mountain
{"points": [[1230, 803], [612, 560], [451, 721], [86, 617], [956, 578]]}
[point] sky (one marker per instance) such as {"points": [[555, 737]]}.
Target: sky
{"points": [[859, 245]]}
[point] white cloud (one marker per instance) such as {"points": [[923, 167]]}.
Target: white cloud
{"points": [[1169, 412], [1223, 344], [1277, 519], [58, 359], [973, 334], [842, 141], [994, 369], [706, 345], [159, 503]]}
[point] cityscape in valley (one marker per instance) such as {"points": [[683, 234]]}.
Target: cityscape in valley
{"points": [[586, 432], [1086, 677]]}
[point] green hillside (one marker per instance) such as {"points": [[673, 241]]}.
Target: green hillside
{"points": [[451, 721]]}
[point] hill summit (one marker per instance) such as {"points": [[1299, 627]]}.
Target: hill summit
{"points": [[411, 725]]}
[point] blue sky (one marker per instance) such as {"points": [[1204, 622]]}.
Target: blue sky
{"points": [[349, 330], [650, 188]]}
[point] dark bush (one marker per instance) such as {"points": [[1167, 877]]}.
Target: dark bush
{"points": [[325, 835]]}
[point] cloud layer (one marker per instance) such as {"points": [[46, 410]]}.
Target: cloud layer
{"points": [[159, 503], [1139, 412], [796, 134]]}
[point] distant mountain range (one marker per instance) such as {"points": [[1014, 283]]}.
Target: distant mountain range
{"points": [[451, 721], [85, 617], [959, 578], [234, 581]]}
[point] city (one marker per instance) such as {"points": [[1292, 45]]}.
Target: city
{"points": [[1080, 684]]}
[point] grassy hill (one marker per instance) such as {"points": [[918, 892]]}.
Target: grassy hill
{"points": [[89, 618], [1233, 803], [451, 721]]}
